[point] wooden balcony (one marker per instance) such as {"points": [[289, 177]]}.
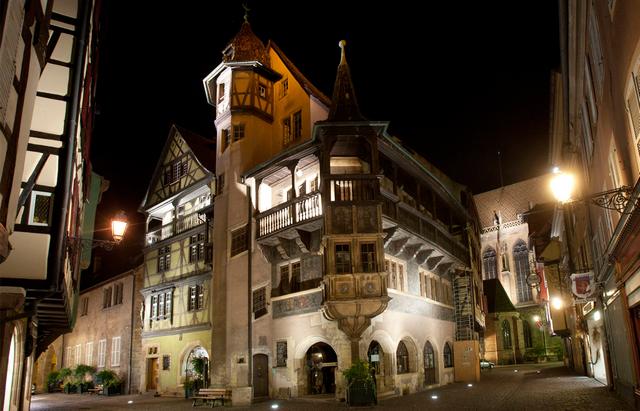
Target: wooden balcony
{"points": [[423, 225], [177, 226], [286, 215]]}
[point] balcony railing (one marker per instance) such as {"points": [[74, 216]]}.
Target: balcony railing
{"points": [[287, 214], [177, 226], [424, 226], [354, 187]]}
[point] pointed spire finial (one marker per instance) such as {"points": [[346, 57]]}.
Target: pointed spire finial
{"points": [[246, 12], [342, 44]]}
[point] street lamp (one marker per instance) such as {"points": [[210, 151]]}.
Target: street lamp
{"points": [[119, 225], [562, 186]]}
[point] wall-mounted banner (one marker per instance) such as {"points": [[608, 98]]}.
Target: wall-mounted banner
{"points": [[582, 284]]}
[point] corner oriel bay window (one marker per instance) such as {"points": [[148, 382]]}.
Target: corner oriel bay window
{"points": [[343, 258], [368, 257]]}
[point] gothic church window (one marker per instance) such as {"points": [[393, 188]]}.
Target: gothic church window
{"points": [[526, 331], [506, 334], [521, 259], [489, 263]]}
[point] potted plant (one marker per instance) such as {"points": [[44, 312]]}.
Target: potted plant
{"points": [[111, 383], [361, 388], [81, 372], [53, 381], [66, 375]]}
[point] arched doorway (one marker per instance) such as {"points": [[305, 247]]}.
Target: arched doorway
{"points": [[376, 357], [196, 366], [321, 361], [429, 365], [260, 375]]}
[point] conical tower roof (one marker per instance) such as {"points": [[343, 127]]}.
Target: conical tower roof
{"points": [[245, 46], [344, 105]]}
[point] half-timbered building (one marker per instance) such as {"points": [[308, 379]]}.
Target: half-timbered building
{"points": [[48, 193], [333, 241], [177, 262]]}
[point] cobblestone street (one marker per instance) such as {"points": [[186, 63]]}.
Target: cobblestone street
{"points": [[531, 387]]}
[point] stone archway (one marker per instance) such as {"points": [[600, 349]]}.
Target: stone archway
{"points": [[188, 368], [321, 363]]}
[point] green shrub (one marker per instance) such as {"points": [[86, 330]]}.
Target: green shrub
{"points": [[358, 372]]}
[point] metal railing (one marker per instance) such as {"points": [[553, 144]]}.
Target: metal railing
{"points": [[177, 226], [287, 214]]}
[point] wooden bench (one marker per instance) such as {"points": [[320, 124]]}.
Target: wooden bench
{"points": [[96, 390], [211, 396]]}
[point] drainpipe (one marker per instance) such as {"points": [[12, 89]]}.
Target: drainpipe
{"points": [[249, 292], [133, 300]]}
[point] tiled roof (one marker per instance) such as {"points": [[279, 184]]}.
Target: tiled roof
{"points": [[514, 199]]}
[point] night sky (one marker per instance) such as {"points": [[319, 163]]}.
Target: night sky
{"points": [[458, 83]]}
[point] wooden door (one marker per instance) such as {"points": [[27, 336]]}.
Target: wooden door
{"points": [[260, 375], [152, 374]]}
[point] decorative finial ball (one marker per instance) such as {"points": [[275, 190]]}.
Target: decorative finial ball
{"points": [[342, 44]]}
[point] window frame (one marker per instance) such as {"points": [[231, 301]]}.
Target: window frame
{"points": [[239, 241], [259, 304], [344, 266], [32, 206]]}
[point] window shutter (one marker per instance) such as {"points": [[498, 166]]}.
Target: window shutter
{"points": [[8, 50], [634, 107]]}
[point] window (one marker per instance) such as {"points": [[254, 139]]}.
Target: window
{"points": [[302, 188], [284, 87], [69, 357], [161, 306], [118, 293], [39, 208], [84, 306], [225, 138], [395, 274], [175, 171], [586, 136], [447, 355], [164, 258], [238, 132], [313, 185], [286, 130], [489, 264], [595, 52], [220, 92], [196, 247], [343, 258], [295, 277], [281, 354], [115, 351], [633, 105], [196, 297], [78, 359], [102, 350], [402, 358], [526, 332], [259, 302], [106, 297], [89, 353], [166, 362], [521, 259], [284, 286], [238, 240], [506, 334], [297, 125], [262, 90], [368, 257], [219, 184]]}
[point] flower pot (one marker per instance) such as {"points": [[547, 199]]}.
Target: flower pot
{"points": [[361, 393]]}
